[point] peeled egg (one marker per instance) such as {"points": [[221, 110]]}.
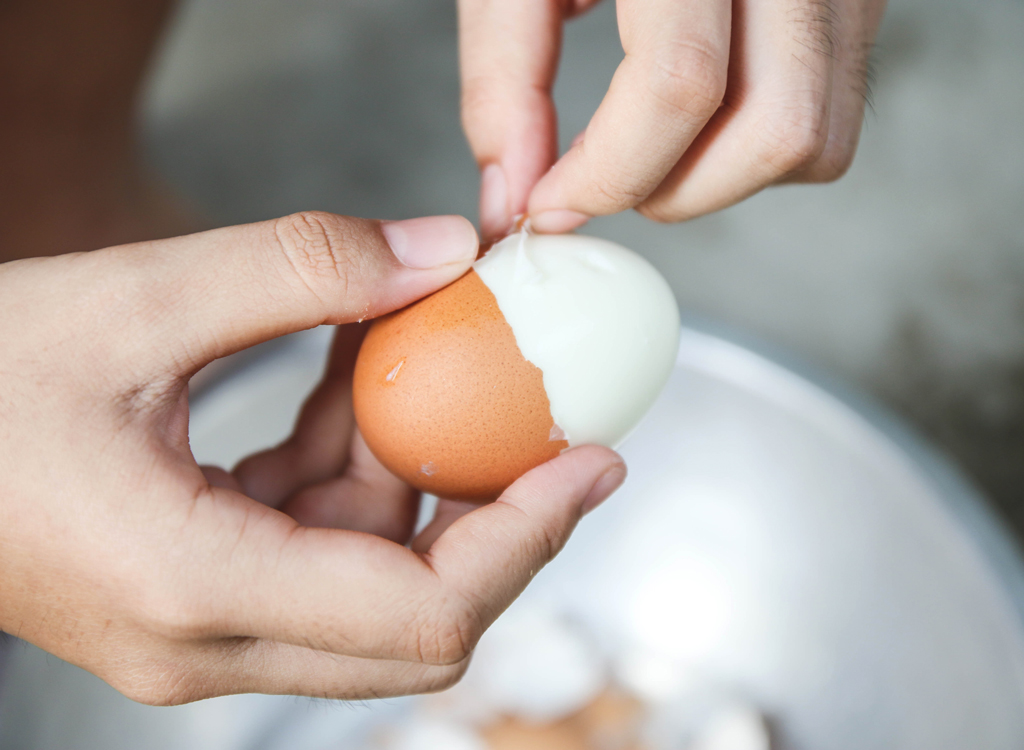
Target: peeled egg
{"points": [[548, 342]]}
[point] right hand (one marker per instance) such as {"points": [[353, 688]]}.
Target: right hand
{"points": [[120, 554], [714, 101]]}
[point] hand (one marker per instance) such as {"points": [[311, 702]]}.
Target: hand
{"points": [[714, 101], [172, 583]]}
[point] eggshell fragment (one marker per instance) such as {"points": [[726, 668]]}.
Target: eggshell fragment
{"points": [[445, 399], [611, 720], [512, 734]]}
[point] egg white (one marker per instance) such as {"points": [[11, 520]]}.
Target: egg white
{"points": [[598, 320]]}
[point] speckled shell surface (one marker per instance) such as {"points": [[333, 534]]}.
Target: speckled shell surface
{"points": [[445, 399]]}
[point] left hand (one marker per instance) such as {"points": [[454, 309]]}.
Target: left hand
{"points": [[714, 101], [174, 582]]}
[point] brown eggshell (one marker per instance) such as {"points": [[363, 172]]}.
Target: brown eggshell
{"points": [[611, 720], [512, 734], [445, 399]]}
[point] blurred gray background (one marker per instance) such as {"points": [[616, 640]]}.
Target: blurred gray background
{"points": [[906, 277]]}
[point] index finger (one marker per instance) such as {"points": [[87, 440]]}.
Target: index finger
{"points": [[508, 55], [670, 83]]}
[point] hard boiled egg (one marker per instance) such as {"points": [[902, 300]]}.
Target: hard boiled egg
{"points": [[548, 342]]}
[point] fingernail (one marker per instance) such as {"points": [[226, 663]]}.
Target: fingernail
{"points": [[610, 481], [558, 221], [432, 241], [494, 218]]}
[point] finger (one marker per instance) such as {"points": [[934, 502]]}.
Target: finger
{"points": [[185, 301], [775, 121], [508, 56], [488, 556], [318, 448], [367, 498], [359, 595], [857, 24], [666, 89], [284, 669], [185, 672], [447, 513]]}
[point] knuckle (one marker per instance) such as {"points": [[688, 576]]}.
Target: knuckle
{"points": [[545, 540], [833, 164], [449, 637], [689, 76], [614, 192], [487, 102], [659, 211], [436, 679], [544, 545], [794, 138], [314, 244]]}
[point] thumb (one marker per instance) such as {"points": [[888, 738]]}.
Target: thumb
{"points": [[490, 554], [183, 302]]}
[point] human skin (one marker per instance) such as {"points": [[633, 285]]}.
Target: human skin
{"points": [[175, 582], [714, 100]]}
